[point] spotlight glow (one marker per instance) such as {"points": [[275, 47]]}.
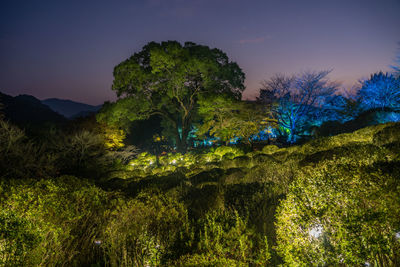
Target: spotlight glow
{"points": [[316, 231]]}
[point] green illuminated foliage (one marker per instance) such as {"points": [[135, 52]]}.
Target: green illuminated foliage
{"points": [[49, 222], [345, 211], [143, 160], [225, 238], [142, 231], [112, 135], [270, 149], [18, 239], [20, 157], [82, 153], [333, 201], [167, 79], [114, 138], [227, 119]]}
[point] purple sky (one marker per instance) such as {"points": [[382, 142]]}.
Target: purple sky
{"points": [[67, 48]]}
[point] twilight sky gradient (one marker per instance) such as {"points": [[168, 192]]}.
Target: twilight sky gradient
{"points": [[68, 48]]}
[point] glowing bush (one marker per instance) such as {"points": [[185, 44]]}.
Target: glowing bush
{"points": [[223, 150], [19, 240], [141, 231], [143, 160], [270, 149], [226, 240], [49, 222], [341, 214]]}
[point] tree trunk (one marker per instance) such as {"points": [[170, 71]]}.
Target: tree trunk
{"points": [[186, 126], [181, 140], [292, 137], [185, 134]]}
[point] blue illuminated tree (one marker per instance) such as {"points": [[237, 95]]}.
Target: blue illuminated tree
{"points": [[381, 90], [341, 108], [295, 98]]}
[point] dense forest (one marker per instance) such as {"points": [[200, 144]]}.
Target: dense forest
{"points": [[180, 171]]}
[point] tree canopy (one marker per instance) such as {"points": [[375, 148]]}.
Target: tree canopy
{"points": [[227, 119], [167, 79], [294, 98], [381, 90]]}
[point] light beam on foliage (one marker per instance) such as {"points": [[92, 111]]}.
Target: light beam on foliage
{"points": [[316, 231]]}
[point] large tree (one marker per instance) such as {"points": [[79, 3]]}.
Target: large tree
{"points": [[167, 79], [295, 98]]}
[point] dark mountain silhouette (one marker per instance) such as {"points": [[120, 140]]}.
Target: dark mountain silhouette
{"points": [[26, 110], [70, 109]]}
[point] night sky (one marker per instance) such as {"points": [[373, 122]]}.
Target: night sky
{"points": [[67, 49]]}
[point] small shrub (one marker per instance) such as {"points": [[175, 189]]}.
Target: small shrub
{"points": [[262, 158], [243, 162], [270, 149]]}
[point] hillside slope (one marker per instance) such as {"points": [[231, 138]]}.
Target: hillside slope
{"points": [[69, 108], [333, 201], [364, 166]]}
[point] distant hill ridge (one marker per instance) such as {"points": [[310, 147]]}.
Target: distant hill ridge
{"points": [[27, 109], [70, 109]]}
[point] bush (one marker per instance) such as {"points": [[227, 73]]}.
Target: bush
{"points": [[143, 231], [19, 240], [224, 150], [212, 175], [270, 149], [366, 153], [242, 162], [262, 158], [225, 240], [82, 154], [389, 134], [20, 157], [342, 213], [50, 222], [280, 174]]}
